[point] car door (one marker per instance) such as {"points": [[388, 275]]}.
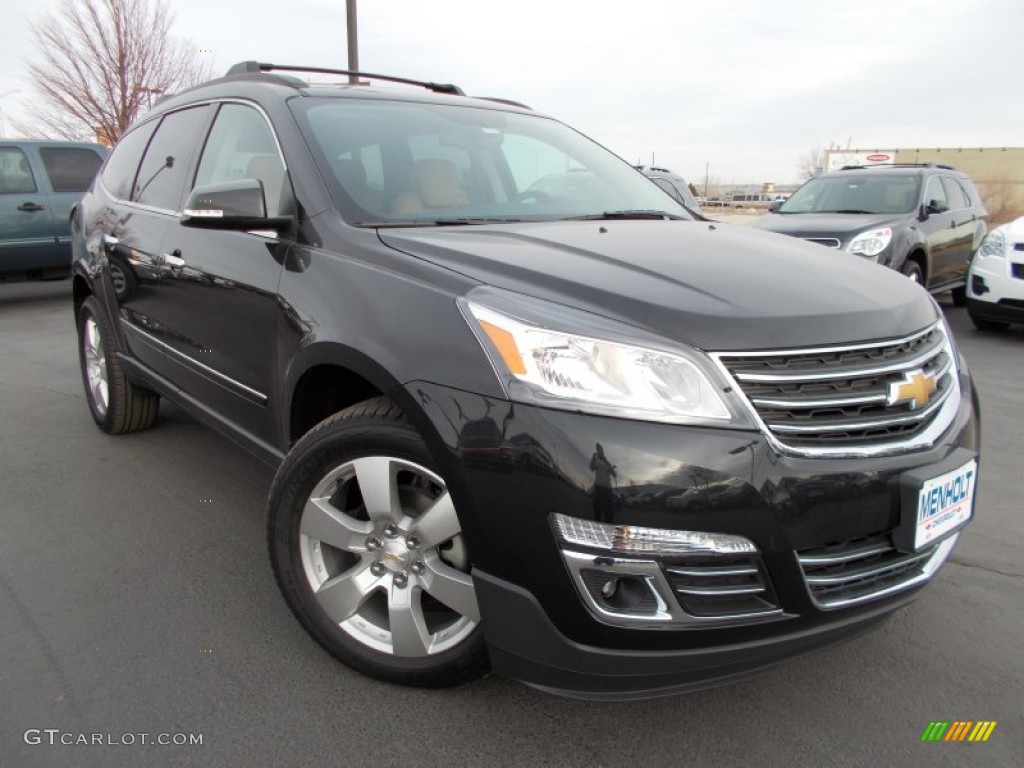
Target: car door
{"points": [[937, 229], [962, 223], [221, 286], [27, 241], [145, 203]]}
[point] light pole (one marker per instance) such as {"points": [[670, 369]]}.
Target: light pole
{"points": [[353, 41], [707, 168]]}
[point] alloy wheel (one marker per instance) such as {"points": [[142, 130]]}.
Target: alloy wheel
{"points": [[382, 551]]}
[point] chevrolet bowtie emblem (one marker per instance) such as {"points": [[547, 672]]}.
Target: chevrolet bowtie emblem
{"points": [[916, 389]]}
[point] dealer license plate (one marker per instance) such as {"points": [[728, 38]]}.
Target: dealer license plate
{"points": [[945, 503]]}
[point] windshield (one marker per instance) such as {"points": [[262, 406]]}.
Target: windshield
{"points": [[848, 193], [397, 163]]}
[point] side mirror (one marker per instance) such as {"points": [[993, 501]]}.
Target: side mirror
{"points": [[774, 205], [934, 206], [237, 205]]}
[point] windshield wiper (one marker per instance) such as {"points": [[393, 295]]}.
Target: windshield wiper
{"points": [[434, 222], [626, 215], [847, 210]]}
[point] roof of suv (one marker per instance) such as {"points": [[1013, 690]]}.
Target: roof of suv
{"points": [[911, 168], [261, 74]]}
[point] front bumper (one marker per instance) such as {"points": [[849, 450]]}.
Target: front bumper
{"points": [[994, 292], [537, 625]]}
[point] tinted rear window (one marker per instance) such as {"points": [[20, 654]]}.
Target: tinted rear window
{"points": [[69, 169], [119, 172]]}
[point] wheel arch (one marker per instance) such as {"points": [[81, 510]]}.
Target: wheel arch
{"points": [[328, 377], [80, 291]]}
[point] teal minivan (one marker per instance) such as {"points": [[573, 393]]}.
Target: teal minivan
{"points": [[39, 182]]}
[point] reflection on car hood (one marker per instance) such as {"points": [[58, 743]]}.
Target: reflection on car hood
{"points": [[841, 225], [717, 287]]}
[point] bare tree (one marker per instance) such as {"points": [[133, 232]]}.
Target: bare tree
{"points": [[100, 62], [808, 165]]}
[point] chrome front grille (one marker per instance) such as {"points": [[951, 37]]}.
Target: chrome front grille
{"points": [[863, 398], [828, 242], [722, 587], [852, 572]]}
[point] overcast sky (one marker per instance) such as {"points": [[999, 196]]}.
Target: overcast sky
{"points": [[745, 88]]}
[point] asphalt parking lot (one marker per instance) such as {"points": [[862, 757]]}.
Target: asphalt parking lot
{"points": [[136, 598]]}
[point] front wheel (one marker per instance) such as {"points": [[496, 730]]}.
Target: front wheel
{"points": [[988, 325], [912, 270], [368, 551]]}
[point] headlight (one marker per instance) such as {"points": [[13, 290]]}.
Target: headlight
{"points": [[546, 363], [870, 243], [993, 246]]}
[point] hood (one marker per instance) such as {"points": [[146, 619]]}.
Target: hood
{"points": [[713, 286], [840, 225]]}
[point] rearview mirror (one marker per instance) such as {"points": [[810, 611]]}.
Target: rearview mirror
{"points": [[231, 205]]}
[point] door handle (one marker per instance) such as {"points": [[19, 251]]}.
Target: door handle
{"points": [[174, 260], [30, 207]]}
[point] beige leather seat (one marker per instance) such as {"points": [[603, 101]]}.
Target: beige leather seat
{"points": [[434, 184]]}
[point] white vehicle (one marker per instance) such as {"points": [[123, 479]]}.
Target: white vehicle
{"points": [[995, 283]]}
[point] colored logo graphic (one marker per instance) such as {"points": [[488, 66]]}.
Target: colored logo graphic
{"points": [[958, 730], [916, 389]]}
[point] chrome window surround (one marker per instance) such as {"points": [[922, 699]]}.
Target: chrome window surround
{"points": [[940, 422], [192, 181]]}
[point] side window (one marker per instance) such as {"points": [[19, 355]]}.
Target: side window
{"points": [[165, 164], [954, 192], [934, 192], [118, 174], [70, 170], [667, 186], [241, 146], [15, 173]]}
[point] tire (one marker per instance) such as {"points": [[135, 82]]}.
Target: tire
{"points": [[383, 586], [912, 270], [988, 325], [959, 296], [117, 405]]}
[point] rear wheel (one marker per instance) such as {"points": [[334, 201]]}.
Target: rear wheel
{"points": [[368, 551], [117, 405]]}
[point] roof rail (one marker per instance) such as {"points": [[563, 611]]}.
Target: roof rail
{"points": [[898, 165], [500, 100], [255, 67]]}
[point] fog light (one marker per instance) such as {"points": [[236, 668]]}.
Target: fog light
{"points": [[978, 287], [608, 589], [632, 539]]}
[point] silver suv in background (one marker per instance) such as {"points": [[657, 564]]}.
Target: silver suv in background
{"points": [[672, 183]]}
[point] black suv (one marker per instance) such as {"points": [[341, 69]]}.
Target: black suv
{"points": [[924, 220], [588, 441]]}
